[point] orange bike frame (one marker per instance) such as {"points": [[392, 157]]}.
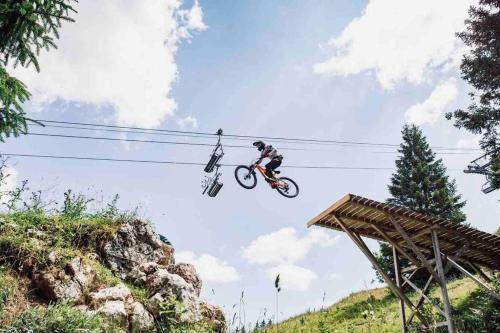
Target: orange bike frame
{"points": [[262, 171]]}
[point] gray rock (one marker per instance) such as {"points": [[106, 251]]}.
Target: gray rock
{"points": [[117, 293], [214, 315], [163, 286], [115, 311], [68, 285], [135, 243], [81, 272], [140, 319], [188, 273], [138, 275]]}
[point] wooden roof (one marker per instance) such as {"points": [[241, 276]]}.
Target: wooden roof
{"points": [[361, 215]]}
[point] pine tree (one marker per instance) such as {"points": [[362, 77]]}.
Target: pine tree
{"points": [[481, 69], [420, 183], [26, 27]]}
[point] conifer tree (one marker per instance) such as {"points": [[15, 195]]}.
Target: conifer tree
{"points": [[480, 67], [420, 183], [26, 27]]}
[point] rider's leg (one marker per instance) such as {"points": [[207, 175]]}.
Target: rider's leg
{"points": [[271, 166]]}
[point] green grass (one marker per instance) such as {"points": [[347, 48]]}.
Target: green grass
{"points": [[58, 318], [370, 311], [27, 238], [8, 286]]}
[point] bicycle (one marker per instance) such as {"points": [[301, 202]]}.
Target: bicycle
{"points": [[246, 177]]}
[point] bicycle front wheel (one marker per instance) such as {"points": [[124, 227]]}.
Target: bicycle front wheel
{"points": [[245, 177], [287, 187]]}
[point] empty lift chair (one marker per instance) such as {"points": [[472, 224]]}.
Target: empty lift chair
{"points": [[216, 156], [212, 185]]}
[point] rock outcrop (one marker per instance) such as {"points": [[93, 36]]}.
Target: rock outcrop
{"points": [[134, 244], [138, 256], [69, 284], [188, 273]]}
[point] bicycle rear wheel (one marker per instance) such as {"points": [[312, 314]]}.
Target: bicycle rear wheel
{"points": [[287, 187], [245, 177]]}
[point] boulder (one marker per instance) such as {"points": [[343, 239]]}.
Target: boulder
{"points": [[138, 275], [188, 273], [115, 311], [163, 286], [140, 319], [117, 293], [214, 316], [68, 285], [135, 243]]}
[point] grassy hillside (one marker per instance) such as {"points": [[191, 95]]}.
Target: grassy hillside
{"points": [[376, 311]]}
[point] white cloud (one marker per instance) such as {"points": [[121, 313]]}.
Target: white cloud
{"points": [[429, 111], [335, 276], [210, 268], [8, 184], [284, 246], [399, 40], [118, 54], [280, 250], [292, 277], [188, 122]]}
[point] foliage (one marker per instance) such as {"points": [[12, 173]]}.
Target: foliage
{"points": [[481, 69], [480, 312], [13, 94], [58, 318], [26, 27], [75, 205], [420, 183]]}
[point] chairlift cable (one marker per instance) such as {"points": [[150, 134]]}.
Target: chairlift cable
{"points": [[191, 163], [295, 140], [182, 162]]}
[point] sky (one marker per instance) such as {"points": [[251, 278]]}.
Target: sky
{"points": [[318, 69]]}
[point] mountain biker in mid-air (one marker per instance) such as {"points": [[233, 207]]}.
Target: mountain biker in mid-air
{"points": [[268, 151]]}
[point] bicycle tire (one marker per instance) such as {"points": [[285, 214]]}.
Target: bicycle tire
{"points": [[285, 192], [250, 174]]}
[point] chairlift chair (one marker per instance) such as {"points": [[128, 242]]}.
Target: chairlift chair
{"points": [[216, 156], [212, 185]]}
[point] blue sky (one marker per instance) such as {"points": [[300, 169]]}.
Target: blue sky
{"points": [[340, 70]]}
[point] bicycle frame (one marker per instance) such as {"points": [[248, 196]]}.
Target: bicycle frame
{"points": [[262, 171]]}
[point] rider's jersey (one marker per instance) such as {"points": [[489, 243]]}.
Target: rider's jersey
{"points": [[269, 152]]}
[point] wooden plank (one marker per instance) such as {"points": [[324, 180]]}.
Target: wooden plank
{"points": [[475, 279], [419, 234], [442, 281], [485, 247], [397, 274], [414, 248], [362, 246], [422, 294], [343, 200], [396, 245]]}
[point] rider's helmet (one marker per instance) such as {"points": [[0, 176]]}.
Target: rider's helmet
{"points": [[260, 145]]}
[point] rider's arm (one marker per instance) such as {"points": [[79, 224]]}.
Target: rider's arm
{"points": [[265, 152]]}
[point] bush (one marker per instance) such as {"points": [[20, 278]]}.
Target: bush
{"points": [[480, 312]]}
